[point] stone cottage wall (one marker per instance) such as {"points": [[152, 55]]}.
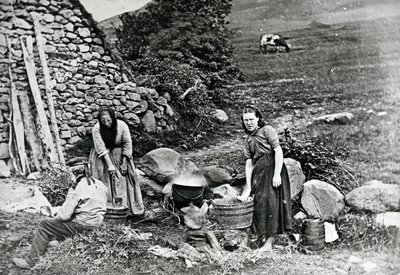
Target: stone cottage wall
{"points": [[85, 74]]}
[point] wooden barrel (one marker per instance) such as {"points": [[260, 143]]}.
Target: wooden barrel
{"points": [[313, 234], [233, 214], [116, 214]]}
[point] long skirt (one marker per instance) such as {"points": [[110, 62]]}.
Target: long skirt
{"points": [[272, 206], [127, 187]]}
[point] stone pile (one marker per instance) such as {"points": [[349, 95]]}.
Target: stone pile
{"points": [[85, 73]]}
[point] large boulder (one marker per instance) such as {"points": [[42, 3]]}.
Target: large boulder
{"points": [[375, 196], [148, 186], [322, 200], [296, 176], [217, 175], [164, 164]]}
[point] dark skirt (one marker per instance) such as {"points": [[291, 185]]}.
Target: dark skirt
{"points": [[272, 206]]}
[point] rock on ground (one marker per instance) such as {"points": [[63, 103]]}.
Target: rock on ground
{"points": [[164, 164], [375, 196], [148, 186], [220, 115], [300, 216], [340, 118], [13, 192], [217, 175], [388, 219], [296, 176], [322, 200]]}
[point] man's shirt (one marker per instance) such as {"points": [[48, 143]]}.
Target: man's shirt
{"points": [[86, 205]]}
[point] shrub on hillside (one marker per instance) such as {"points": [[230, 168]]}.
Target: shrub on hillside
{"points": [[173, 46], [320, 161]]}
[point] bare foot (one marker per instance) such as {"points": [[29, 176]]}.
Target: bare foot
{"points": [[268, 245]]}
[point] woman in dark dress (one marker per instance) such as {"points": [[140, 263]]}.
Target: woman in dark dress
{"points": [[267, 179]]}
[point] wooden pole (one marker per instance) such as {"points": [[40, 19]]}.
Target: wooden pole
{"points": [[49, 93], [31, 72], [16, 120]]}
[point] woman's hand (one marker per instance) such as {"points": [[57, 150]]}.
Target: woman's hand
{"points": [[245, 195], [112, 170], [276, 181], [124, 165], [124, 168], [242, 198]]}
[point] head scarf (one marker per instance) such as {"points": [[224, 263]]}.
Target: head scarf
{"points": [[108, 135]]}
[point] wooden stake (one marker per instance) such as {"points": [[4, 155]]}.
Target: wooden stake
{"points": [[31, 72], [17, 119], [49, 93]]}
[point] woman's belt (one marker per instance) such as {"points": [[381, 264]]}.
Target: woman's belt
{"points": [[268, 158]]}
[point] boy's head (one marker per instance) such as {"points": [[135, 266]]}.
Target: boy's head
{"points": [[79, 174]]}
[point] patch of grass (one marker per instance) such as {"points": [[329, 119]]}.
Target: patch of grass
{"points": [[16, 232], [111, 249], [359, 231]]}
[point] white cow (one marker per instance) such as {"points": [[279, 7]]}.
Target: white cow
{"points": [[271, 39]]}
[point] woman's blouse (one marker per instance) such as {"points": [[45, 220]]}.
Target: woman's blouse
{"points": [[123, 139], [261, 142]]}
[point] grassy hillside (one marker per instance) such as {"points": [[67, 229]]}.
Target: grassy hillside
{"points": [[345, 57]]}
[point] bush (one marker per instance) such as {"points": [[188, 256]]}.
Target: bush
{"points": [[55, 184], [320, 161], [174, 45]]}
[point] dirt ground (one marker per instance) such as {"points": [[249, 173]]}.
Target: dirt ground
{"points": [[345, 57]]}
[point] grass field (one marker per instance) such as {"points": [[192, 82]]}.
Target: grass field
{"points": [[345, 57]]}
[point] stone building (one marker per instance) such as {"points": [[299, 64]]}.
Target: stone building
{"points": [[85, 72]]}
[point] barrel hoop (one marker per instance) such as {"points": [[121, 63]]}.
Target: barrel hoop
{"points": [[115, 216], [235, 214], [232, 208]]}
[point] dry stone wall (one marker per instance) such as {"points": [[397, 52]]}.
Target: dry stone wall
{"points": [[85, 73]]}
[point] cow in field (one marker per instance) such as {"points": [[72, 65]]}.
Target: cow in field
{"points": [[271, 39]]}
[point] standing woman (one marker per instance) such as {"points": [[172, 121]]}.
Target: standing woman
{"points": [[111, 159], [266, 178]]}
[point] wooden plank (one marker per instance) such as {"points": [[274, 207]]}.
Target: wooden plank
{"points": [[16, 122], [49, 93], [44, 129], [31, 134], [15, 161]]}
